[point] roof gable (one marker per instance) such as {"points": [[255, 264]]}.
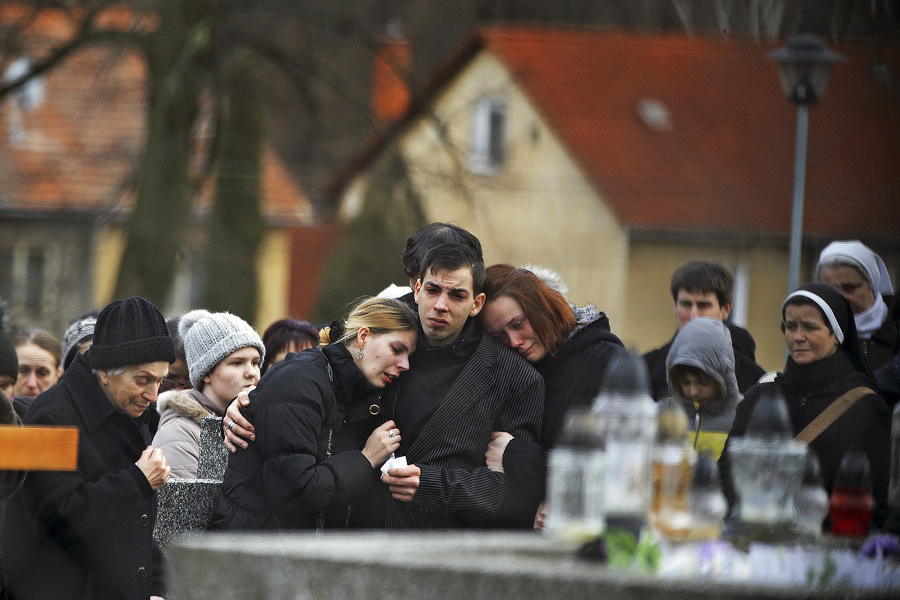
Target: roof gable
{"points": [[725, 165]]}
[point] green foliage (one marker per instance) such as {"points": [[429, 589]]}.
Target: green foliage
{"points": [[621, 547], [368, 258]]}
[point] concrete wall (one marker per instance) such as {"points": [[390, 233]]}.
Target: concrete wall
{"points": [[442, 566]]}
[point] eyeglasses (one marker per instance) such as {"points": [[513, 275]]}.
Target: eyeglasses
{"points": [[174, 384]]}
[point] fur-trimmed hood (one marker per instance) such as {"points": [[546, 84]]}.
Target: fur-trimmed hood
{"points": [[188, 403], [591, 327]]}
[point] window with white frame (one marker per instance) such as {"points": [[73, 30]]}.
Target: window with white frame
{"points": [[487, 150]]}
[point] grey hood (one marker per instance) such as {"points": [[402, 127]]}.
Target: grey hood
{"points": [[706, 344]]}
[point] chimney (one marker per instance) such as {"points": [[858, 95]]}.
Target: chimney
{"points": [[390, 91]]}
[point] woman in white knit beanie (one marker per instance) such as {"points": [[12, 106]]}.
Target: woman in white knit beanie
{"points": [[223, 354]]}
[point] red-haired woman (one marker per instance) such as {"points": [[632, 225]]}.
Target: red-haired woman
{"points": [[569, 346]]}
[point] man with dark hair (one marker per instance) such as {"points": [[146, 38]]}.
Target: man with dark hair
{"points": [[433, 234], [461, 386], [704, 289]]}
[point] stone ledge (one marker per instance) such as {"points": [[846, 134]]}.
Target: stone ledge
{"points": [[383, 566]]}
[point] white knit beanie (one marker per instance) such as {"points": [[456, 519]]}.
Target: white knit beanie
{"points": [[210, 337]]}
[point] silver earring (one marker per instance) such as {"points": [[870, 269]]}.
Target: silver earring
{"points": [[359, 353]]}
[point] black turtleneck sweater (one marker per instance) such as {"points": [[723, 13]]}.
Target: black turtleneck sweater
{"points": [[432, 371]]}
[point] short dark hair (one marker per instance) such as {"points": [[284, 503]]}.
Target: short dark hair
{"points": [[678, 373], [702, 277], [279, 335], [450, 257], [434, 234]]}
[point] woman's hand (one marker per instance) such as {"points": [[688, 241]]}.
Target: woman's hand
{"points": [[238, 429], [383, 441], [154, 466], [494, 454]]}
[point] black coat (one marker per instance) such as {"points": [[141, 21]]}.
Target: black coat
{"points": [[572, 377], [884, 343], [86, 533], [497, 390], [810, 389], [284, 479], [746, 370]]}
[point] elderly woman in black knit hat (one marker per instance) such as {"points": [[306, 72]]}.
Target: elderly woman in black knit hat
{"points": [[826, 367], [88, 533]]}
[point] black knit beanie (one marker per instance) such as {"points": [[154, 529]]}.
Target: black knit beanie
{"points": [[130, 332], [9, 360]]}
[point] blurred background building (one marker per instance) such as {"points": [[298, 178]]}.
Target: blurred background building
{"points": [[279, 154]]}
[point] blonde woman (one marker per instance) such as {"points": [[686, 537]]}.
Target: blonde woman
{"points": [[314, 415]]}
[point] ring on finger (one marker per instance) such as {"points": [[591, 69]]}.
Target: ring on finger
{"points": [[391, 433], [231, 426]]}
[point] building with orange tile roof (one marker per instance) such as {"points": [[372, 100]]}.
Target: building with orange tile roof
{"points": [[69, 148]]}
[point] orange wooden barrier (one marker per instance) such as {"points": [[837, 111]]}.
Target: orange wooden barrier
{"points": [[38, 448]]}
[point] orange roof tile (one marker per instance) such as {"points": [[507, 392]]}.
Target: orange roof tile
{"points": [[77, 150], [727, 163]]}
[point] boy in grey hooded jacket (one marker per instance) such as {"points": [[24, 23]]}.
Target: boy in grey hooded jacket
{"points": [[700, 370]]}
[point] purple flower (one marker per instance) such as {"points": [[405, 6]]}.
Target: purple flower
{"points": [[887, 543]]}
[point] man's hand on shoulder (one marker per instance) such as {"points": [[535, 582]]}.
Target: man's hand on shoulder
{"points": [[238, 429]]}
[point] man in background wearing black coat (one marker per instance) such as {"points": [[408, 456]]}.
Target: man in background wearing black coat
{"points": [[704, 289]]}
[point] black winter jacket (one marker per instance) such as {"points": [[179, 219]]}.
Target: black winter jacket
{"points": [[86, 533], [883, 345], [572, 377], [497, 390], [810, 389], [285, 478]]}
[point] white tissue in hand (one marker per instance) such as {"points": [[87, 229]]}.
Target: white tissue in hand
{"points": [[394, 462]]}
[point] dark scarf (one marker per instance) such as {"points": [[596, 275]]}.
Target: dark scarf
{"points": [[824, 373], [819, 384]]}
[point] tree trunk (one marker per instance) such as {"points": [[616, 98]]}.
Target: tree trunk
{"points": [[163, 205], [236, 225]]}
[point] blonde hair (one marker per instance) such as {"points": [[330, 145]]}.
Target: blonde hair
{"points": [[379, 315]]}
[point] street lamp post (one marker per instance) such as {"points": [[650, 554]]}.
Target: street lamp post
{"points": [[804, 66]]}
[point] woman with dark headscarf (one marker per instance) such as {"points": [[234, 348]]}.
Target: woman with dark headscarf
{"points": [[824, 363]]}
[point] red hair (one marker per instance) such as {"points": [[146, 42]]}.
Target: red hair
{"points": [[547, 310]]}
